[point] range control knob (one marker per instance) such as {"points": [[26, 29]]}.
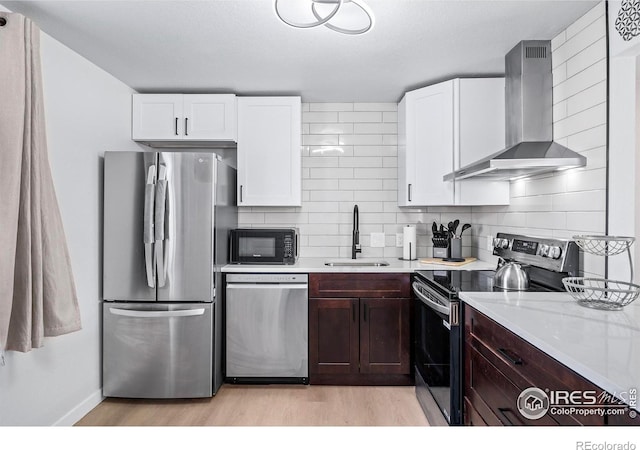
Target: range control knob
{"points": [[501, 243], [555, 252], [544, 250]]}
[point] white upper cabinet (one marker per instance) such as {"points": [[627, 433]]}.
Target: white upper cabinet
{"points": [[195, 117], [442, 128], [269, 151]]}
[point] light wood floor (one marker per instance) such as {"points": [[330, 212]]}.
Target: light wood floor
{"points": [[273, 405]]}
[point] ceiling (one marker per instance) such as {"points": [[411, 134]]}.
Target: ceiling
{"points": [[240, 46]]}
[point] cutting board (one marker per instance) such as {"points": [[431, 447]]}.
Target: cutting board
{"points": [[439, 261]]}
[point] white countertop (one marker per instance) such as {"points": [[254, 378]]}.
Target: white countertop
{"points": [[602, 346], [308, 265]]}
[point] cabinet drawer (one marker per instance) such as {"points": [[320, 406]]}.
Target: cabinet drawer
{"points": [[370, 285], [523, 364], [497, 392]]}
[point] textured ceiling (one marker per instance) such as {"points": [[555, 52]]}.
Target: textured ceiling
{"points": [[240, 46]]}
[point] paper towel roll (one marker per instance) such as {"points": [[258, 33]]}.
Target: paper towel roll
{"points": [[409, 242]]}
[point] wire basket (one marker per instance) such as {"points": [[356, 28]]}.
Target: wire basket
{"points": [[604, 245], [600, 293]]}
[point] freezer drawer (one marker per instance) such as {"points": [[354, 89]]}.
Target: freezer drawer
{"points": [[155, 350]]}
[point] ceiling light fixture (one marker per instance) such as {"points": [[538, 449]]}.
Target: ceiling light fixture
{"points": [[351, 16]]}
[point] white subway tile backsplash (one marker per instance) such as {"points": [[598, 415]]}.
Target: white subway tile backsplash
{"points": [[324, 207], [594, 74], [329, 150], [559, 74], [359, 117], [596, 158], [587, 98], [587, 57], [389, 116], [320, 139], [295, 217], [560, 110], [390, 161], [389, 139], [249, 217], [331, 196], [332, 172], [320, 117], [361, 162], [586, 222], [580, 201], [578, 42], [383, 173], [320, 184], [375, 107], [375, 128], [375, 150], [330, 128], [375, 196], [361, 185], [586, 180], [361, 139], [329, 106], [321, 161], [588, 139], [589, 118], [546, 220], [328, 217], [547, 184], [594, 14]]}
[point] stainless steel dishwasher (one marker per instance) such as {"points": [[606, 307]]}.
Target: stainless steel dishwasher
{"points": [[267, 328]]}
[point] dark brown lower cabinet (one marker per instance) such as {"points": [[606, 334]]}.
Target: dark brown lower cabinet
{"points": [[359, 340], [499, 366]]}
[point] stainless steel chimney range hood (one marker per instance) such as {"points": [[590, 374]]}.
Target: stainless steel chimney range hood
{"points": [[529, 121]]}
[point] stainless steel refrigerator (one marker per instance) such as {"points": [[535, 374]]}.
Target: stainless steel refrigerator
{"points": [[166, 221]]}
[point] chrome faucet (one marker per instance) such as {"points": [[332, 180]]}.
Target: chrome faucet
{"points": [[355, 241]]}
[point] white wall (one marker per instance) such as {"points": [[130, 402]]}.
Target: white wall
{"points": [[87, 112], [563, 204], [350, 156]]}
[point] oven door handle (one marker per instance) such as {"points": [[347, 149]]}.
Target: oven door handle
{"points": [[417, 287]]}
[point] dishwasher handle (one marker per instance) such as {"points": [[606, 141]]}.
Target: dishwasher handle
{"points": [[266, 286]]}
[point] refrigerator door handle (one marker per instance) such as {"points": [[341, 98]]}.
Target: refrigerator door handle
{"points": [[156, 314], [161, 198], [148, 233]]}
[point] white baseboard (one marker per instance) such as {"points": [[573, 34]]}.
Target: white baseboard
{"points": [[80, 410]]}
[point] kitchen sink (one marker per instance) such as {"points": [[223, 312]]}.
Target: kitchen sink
{"points": [[356, 263]]}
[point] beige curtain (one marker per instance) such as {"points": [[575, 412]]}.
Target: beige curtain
{"points": [[37, 290]]}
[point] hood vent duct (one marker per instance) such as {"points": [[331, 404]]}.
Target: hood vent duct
{"points": [[529, 121]]}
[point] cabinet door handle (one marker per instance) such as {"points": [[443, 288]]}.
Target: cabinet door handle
{"points": [[511, 357], [353, 311], [365, 312], [240, 193], [176, 126], [409, 192], [503, 412], [186, 126]]}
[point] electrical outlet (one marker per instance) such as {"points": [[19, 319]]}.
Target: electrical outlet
{"points": [[490, 243], [377, 239], [399, 239]]}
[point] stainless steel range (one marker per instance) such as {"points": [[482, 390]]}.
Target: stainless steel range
{"points": [[526, 263]]}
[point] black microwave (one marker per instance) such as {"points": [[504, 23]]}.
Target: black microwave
{"points": [[264, 246]]}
